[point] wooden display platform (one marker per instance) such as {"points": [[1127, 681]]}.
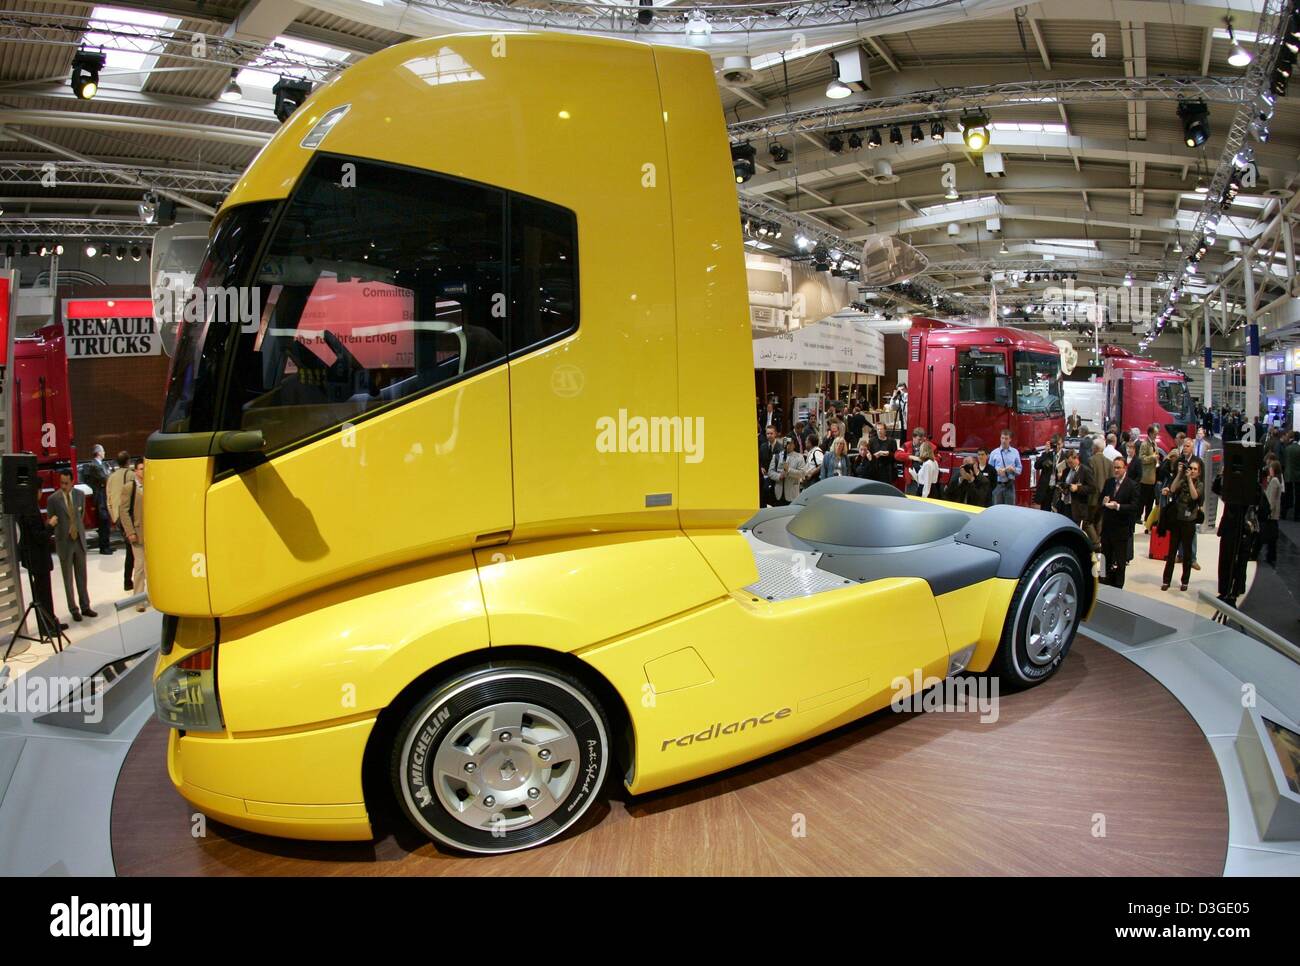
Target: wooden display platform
{"points": [[895, 794]]}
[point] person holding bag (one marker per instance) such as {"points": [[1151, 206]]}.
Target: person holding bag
{"points": [[1186, 495]]}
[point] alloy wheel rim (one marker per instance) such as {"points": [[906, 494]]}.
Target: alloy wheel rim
{"points": [[505, 767], [1051, 617]]}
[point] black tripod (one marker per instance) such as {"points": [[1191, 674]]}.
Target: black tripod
{"points": [[56, 639]]}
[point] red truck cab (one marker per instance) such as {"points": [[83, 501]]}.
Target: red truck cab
{"points": [[966, 384], [42, 405], [1140, 392]]}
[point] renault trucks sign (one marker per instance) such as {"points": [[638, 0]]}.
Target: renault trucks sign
{"points": [[103, 328]]}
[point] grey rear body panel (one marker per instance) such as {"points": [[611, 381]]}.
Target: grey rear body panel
{"points": [[857, 531]]}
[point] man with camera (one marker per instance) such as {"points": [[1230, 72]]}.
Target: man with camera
{"points": [[968, 485]]}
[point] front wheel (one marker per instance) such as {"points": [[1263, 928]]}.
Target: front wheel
{"points": [[501, 758], [1043, 619]]}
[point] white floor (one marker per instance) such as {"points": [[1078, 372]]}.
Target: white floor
{"points": [[103, 584]]}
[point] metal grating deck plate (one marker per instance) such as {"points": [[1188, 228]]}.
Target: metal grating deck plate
{"points": [[784, 574]]}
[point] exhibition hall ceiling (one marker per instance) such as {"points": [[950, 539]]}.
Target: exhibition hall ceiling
{"points": [[1087, 165]]}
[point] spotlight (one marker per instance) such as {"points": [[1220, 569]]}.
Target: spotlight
{"points": [[837, 89], [646, 13], [135, 253], [44, 251], [1239, 56], [58, 249], [779, 152], [742, 161], [855, 140], [835, 143], [148, 208], [91, 251], [233, 92], [1195, 116], [895, 135], [289, 93], [917, 135], [1004, 250], [120, 253], [86, 65], [936, 130], [1259, 128], [975, 131], [951, 194], [1128, 280], [873, 138], [1202, 186]]}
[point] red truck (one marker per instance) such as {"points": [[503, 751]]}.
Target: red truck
{"points": [[42, 407], [1140, 392], [966, 384]]}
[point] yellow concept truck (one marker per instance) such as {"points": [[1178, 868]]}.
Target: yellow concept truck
{"points": [[454, 505]]}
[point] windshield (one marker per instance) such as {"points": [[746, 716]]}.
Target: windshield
{"points": [[1173, 397], [203, 327], [1038, 384]]}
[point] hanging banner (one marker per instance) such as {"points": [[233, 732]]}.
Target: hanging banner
{"points": [[831, 345], [105, 328]]}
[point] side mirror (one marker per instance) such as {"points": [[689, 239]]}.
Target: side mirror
{"points": [[241, 441]]}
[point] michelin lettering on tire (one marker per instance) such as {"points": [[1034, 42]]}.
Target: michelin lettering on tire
{"points": [[561, 714]]}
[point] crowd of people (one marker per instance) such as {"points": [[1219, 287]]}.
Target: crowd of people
{"points": [[118, 493], [1108, 483]]}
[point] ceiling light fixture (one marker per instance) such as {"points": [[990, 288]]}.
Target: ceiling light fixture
{"points": [[975, 131], [233, 91], [86, 65], [1239, 56]]}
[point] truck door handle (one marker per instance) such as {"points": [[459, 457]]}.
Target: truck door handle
{"points": [[242, 441]]}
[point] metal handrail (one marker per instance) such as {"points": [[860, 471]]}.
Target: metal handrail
{"points": [[1270, 637]]}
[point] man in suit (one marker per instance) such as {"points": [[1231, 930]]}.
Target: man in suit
{"points": [[1121, 502], [1047, 466], [34, 555], [1101, 467], [95, 473], [1079, 484], [65, 508], [118, 479]]}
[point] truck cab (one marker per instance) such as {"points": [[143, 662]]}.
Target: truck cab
{"points": [[1140, 392], [966, 384]]}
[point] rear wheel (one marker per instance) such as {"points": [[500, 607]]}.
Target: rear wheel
{"points": [[501, 758], [1042, 620]]}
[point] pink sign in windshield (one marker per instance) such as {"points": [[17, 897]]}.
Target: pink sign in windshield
{"points": [[373, 320]]}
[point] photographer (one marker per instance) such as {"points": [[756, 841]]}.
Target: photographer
{"points": [[1046, 467], [968, 485], [1180, 515]]}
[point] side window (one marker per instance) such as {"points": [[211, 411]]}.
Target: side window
{"points": [[543, 272], [982, 378], [379, 282]]}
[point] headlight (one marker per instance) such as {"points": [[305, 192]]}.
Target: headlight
{"points": [[185, 694]]}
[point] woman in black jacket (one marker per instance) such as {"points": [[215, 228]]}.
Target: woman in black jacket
{"points": [[1186, 496]]}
